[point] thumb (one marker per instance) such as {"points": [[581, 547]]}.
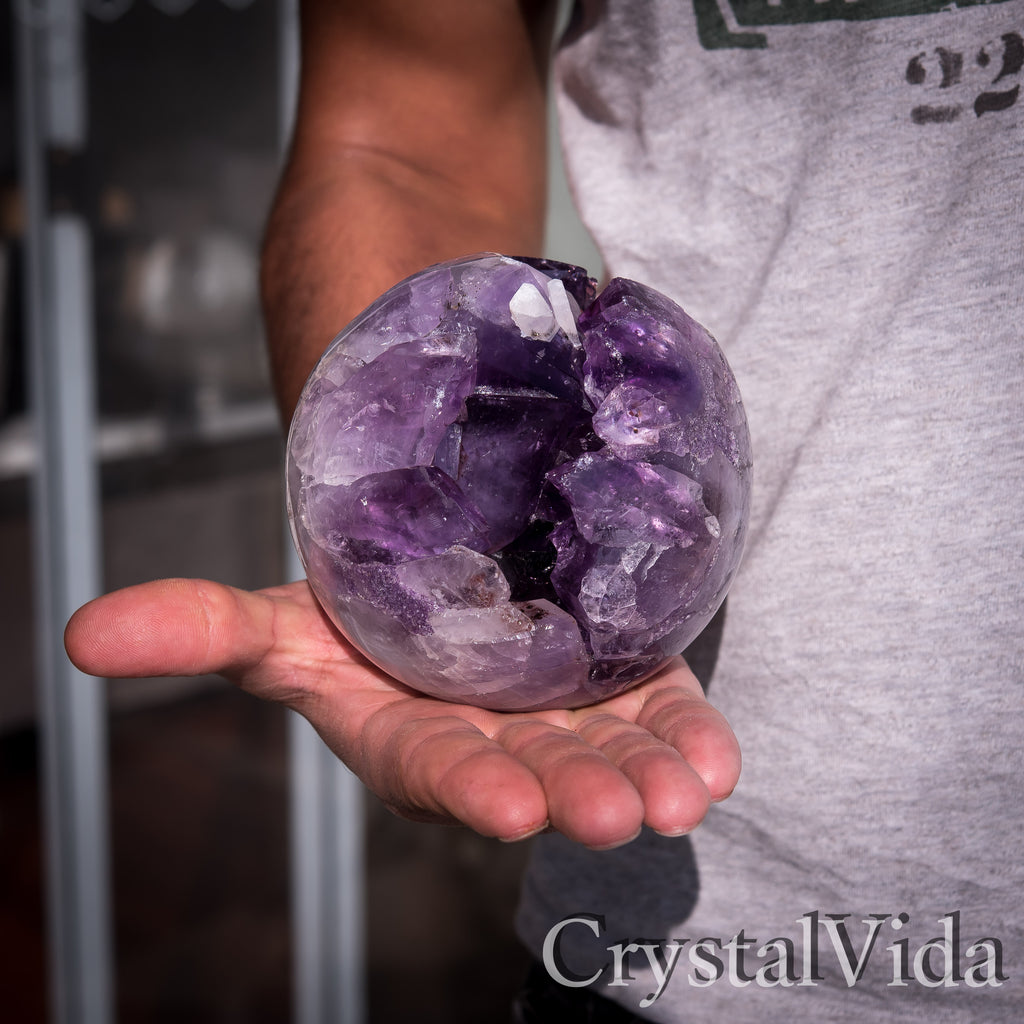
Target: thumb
{"points": [[170, 627]]}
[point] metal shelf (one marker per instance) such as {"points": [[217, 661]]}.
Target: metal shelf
{"points": [[141, 436]]}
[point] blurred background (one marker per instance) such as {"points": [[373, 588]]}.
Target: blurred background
{"points": [[181, 139]]}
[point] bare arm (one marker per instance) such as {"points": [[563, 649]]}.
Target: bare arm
{"points": [[420, 136]]}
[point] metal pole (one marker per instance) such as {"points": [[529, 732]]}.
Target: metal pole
{"points": [[327, 831], [50, 85], [327, 883]]}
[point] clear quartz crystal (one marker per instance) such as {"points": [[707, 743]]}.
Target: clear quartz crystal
{"points": [[510, 491]]}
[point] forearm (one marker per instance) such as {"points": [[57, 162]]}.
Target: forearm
{"points": [[375, 190], [333, 246]]}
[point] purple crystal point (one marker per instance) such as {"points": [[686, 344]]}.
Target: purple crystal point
{"points": [[457, 578], [509, 441], [416, 307], [622, 503], [398, 514], [391, 412], [509, 492], [633, 335]]}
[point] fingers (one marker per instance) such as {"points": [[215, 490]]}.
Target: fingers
{"points": [[597, 786], [427, 762], [658, 755], [510, 775], [674, 797], [589, 799], [676, 751], [686, 722]]}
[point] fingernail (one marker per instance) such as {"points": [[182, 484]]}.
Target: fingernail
{"points": [[673, 833], [617, 843], [528, 834]]}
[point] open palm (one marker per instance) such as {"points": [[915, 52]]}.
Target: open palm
{"points": [[658, 754]]}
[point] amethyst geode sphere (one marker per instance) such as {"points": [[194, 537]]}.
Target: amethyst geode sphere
{"points": [[511, 492]]}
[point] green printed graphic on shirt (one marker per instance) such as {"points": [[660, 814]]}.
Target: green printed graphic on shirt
{"points": [[722, 23]]}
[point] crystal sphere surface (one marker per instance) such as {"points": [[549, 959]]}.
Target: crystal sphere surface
{"points": [[510, 491]]}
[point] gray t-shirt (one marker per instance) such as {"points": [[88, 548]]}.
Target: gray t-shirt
{"points": [[835, 188]]}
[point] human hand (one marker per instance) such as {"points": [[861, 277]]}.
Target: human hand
{"points": [[658, 754]]}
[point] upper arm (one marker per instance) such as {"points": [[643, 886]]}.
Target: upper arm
{"points": [[451, 90]]}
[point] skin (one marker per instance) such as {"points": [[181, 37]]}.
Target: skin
{"points": [[436, 151]]}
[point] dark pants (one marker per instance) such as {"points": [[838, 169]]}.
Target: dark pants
{"points": [[542, 1000]]}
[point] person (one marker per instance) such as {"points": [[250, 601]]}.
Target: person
{"points": [[834, 190]]}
